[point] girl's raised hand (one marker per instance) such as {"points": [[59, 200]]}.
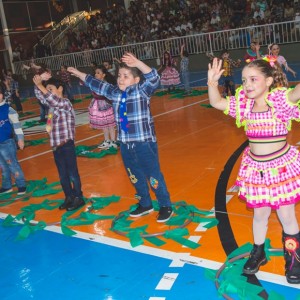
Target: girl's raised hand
{"points": [[215, 70]]}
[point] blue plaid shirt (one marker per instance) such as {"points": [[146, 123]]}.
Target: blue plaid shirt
{"points": [[140, 120]]}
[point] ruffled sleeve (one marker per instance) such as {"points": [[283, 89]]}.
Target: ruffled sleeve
{"points": [[237, 106], [283, 110]]}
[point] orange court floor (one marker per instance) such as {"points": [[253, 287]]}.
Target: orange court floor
{"points": [[199, 150]]}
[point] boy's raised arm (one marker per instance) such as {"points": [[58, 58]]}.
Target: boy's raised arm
{"points": [[131, 61], [77, 73]]}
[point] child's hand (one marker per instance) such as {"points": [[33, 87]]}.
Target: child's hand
{"points": [[73, 71], [45, 76], [130, 60], [21, 144], [37, 80], [215, 70]]}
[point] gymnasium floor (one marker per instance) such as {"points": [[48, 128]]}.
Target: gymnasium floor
{"points": [[100, 253]]}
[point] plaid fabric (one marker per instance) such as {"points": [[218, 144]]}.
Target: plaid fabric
{"points": [[274, 179], [140, 120], [270, 183], [63, 121], [274, 122], [65, 77]]}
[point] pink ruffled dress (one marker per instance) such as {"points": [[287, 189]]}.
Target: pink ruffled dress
{"points": [[267, 180]]}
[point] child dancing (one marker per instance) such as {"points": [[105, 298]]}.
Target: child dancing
{"points": [[269, 175], [101, 112]]}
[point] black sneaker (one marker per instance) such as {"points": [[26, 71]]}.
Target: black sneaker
{"points": [[4, 191], [140, 211], [165, 213], [22, 190]]}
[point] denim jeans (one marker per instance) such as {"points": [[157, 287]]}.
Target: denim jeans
{"points": [[43, 111], [17, 102], [142, 165], [66, 163], [9, 165], [228, 85], [186, 81], [68, 92]]}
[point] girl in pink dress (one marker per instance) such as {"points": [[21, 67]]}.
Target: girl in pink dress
{"points": [[169, 75], [101, 113], [269, 175], [274, 51]]}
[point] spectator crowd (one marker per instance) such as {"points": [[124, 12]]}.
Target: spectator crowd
{"points": [[145, 21]]}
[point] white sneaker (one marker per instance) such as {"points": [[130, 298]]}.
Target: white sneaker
{"points": [[104, 145], [113, 144]]}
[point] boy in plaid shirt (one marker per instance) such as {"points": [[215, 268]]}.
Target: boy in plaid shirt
{"points": [[61, 129], [136, 134]]}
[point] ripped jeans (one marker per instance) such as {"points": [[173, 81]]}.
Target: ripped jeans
{"points": [[142, 165], [10, 166]]}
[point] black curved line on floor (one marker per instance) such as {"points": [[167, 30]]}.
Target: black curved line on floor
{"points": [[226, 235]]}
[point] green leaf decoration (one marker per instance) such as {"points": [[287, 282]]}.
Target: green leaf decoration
{"points": [[101, 202], [155, 241], [88, 151], [29, 124], [36, 142], [241, 250], [206, 105], [275, 296]]}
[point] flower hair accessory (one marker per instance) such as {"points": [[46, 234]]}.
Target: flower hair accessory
{"points": [[271, 59]]}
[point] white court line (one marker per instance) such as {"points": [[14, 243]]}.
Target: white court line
{"points": [[161, 253], [167, 281], [97, 135]]}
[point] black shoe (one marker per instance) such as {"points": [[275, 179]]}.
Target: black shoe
{"points": [[5, 191], [22, 190], [291, 256], [165, 213], [76, 203], [65, 204], [140, 211], [256, 259]]}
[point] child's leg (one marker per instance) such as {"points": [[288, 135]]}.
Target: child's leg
{"points": [[232, 87], [135, 173], [257, 256], [260, 224], [106, 133], [6, 178], [291, 241], [17, 102], [147, 157], [112, 133], [287, 217], [61, 165], [72, 169], [10, 165]]}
